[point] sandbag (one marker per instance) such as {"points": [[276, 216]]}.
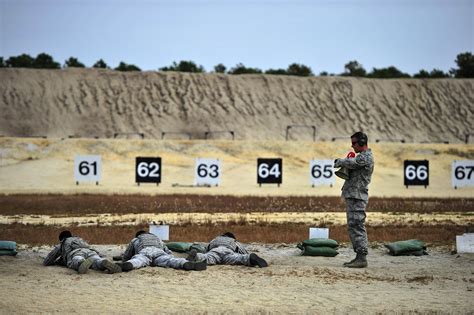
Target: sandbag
{"points": [[180, 247], [407, 247], [7, 245], [320, 251], [317, 242], [6, 252]]}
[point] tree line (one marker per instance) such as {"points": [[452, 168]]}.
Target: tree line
{"points": [[464, 62]]}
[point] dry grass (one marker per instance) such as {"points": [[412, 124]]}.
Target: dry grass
{"points": [[263, 233], [82, 204]]}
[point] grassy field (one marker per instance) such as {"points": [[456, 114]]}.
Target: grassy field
{"points": [[266, 232], [84, 204]]}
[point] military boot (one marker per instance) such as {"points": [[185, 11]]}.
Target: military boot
{"points": [[192, 255], [126, 266], [195, 265], [85, 265], [359, 262], [255, 260], [110, 266], [348, 262]]}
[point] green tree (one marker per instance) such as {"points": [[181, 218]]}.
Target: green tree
{"points": [[241, 69], [45, 61], [2, 63], [276, 71], [126, 67], [323, 74], [387, 73], [422, 74], [21, 61], [354, 69], [184, 66], [465, 62], [299, 70], [436, 73], [220, 68], [72, 62], [100, 64]]}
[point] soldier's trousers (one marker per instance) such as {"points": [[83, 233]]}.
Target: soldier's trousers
{"points": [[154, 256], [355, 211], [81, 254], [224, 256]]}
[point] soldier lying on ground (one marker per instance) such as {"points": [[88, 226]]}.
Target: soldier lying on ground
{"points": [[75, 253], [225, 250], [147, 249]]}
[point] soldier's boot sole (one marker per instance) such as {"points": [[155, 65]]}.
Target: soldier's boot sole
{"points": [[348, 262], [257, 261], [127, 266], [111, 267], [200, 265], [359, 262], [84, 266], [193, 265]]}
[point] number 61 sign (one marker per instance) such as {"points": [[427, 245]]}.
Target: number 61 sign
{"points": [[87, 168]]}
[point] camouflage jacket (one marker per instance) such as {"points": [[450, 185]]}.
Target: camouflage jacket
{"points": [[360, 172], [228, 242], [64, 251], [141, 242]]}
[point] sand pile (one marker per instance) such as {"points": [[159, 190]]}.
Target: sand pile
{"points": [[92, 102]]}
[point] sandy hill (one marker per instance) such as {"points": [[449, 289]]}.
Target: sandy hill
{"points": [[92, 102]]}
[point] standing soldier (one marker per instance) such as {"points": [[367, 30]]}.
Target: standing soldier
{"points": [[355, 191], [147, 249], [225, 250], [75, 253]]}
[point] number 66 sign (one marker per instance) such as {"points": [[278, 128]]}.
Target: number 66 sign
{"points": [[416, 173]]}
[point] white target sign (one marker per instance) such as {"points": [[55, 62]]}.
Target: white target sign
{"points": [[87, 168], [462, 173], [208, 172], [321, 172]]}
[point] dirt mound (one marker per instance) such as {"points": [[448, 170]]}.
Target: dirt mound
{"points": [[93, 102]]}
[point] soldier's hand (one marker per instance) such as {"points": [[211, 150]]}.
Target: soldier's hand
{"points": [[117, 258]]}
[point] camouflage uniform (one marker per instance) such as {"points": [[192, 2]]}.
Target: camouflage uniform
{"points": [[147, 249], [72, 251], [356, 193], [226, 251]]}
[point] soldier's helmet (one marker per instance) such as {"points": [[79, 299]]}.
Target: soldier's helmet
{"points": [[139, 233], [229, 234], [64, 234]]}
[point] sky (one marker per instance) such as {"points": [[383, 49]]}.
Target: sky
{"points": [[267, 34]]}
